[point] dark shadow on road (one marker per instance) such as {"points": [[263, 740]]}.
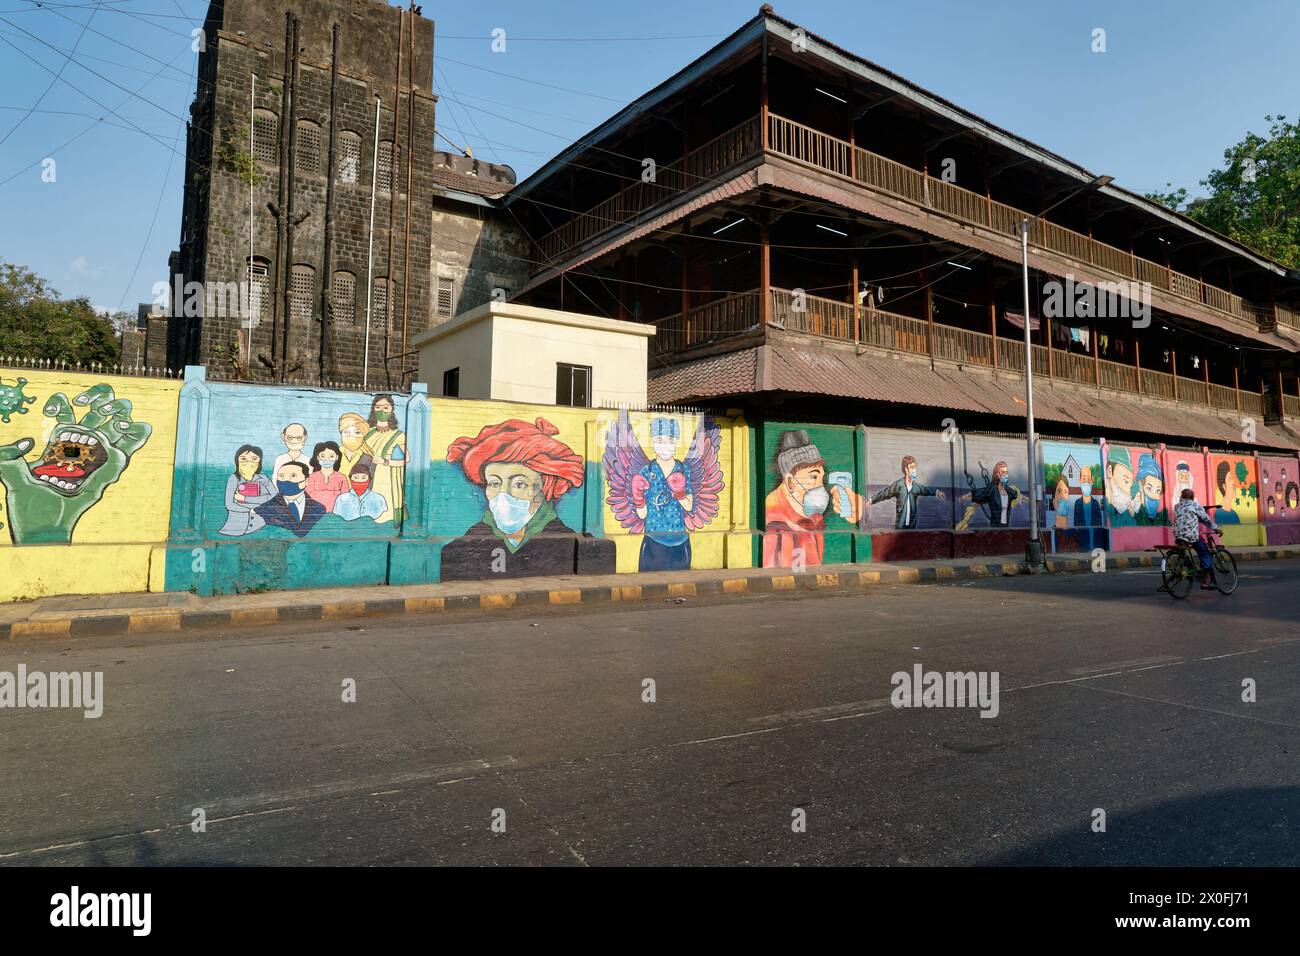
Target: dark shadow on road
{"points": [[1259, 826]]}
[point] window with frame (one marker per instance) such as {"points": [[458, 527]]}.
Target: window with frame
{"points": [[379, 306], [259, 289], [573, 385], [307, 154], [451, 382], [444, 305], [343, 299], [384, 172], [302, 289], [349, 157], [266, 135]]}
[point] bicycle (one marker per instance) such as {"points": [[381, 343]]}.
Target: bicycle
{"points": [[1180, 566]]}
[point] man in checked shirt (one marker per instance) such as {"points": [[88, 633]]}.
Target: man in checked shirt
{"points": [[1188, 517]]}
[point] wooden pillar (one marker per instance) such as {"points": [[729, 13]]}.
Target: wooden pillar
{"points": [[1205, 372], [929, 318], [853, 152], [762, 108], [686, 299], [1137, 361], [1281, 397], [1046, 327], [1236, 385], [853, 300], [993, 314], [1173, 362], [1096, 354], [764, 279]]}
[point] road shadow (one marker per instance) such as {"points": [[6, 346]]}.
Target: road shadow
{"points": [[1258, 826]]}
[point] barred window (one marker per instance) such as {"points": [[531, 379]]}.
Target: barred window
{"points": [[384, 172], [302, 289], [259, 289], [445, 303], [349, 157], [379, 311], [266, 133], [308, 152], [344, 299]]}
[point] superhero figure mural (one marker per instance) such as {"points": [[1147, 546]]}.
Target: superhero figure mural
{"points": [[664, 497]]}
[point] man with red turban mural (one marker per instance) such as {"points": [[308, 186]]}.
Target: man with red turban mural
{"points": [[523, 470]]}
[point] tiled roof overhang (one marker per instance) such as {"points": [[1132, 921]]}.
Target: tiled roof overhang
{"points": [[798, 368]]}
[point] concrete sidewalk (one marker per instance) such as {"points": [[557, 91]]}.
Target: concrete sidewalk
{"points": [[109, 615]]}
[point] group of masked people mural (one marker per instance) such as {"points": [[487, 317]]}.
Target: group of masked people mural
{"points": [[358, 476]]}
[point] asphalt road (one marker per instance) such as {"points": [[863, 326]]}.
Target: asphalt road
{"points": [[1112, 697]]}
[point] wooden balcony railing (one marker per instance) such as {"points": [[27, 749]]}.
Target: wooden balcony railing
{"points": [[829, 154], [830, 318], [719, 319], [816, 149], [699, 165]]}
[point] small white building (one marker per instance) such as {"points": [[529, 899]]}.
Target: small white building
{"points": [[521, 353]]}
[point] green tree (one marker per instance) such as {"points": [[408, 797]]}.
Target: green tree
{"points": [[36, 323], [1255, 197]]}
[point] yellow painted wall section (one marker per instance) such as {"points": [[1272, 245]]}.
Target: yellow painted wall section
{"points": [[89, 463]]}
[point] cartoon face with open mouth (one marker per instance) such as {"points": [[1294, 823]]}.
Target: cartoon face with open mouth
{"points": [[45, 496], [70, 458]]}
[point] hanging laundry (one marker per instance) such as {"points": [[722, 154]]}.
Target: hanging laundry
{"points": [[1104, 342], [1084, 337]]}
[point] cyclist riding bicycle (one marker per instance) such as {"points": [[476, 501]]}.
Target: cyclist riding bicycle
{"points": [[1188, 517]]}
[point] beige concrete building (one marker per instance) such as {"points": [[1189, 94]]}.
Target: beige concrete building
{"points": [[521, 353]]}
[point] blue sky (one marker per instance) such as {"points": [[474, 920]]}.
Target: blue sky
{"points": [[1178, 83]]}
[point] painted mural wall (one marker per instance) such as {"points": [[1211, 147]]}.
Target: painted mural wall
{"points": [[524, 490], [1137, 508], [1279, 482], [1235, 485], [945, 493], [1074, 492], [227, 488], [910, 480], [287, 487], [810, 494], [85, 460]]}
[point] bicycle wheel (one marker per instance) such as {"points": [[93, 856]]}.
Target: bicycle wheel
{"points": [[1225, 571], [1179, 574]]}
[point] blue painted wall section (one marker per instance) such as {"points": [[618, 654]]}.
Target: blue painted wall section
{"points": [[298, 487]]}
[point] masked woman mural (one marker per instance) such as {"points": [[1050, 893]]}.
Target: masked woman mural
{"points": [[387, 445], [523, 470], [352, 438], [246, 488]]}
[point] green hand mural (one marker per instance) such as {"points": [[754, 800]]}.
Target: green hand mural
{"points": [[48, 496]]}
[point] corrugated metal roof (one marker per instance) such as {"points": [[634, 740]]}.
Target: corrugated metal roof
{"points": [[890, 377]]}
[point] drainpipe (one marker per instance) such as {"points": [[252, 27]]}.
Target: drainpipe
{"points": [[370, 248]]}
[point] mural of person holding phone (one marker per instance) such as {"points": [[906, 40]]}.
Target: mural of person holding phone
{"points": [[246, 489]]}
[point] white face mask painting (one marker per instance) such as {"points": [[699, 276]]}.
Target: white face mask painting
{"points": [[509, 512], [816, 500]]}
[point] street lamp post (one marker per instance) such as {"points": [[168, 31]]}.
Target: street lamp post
{"points": [[1034, 547]]}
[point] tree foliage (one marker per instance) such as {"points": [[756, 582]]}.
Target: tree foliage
{"points": [[36, 323], [1255, 197]]}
